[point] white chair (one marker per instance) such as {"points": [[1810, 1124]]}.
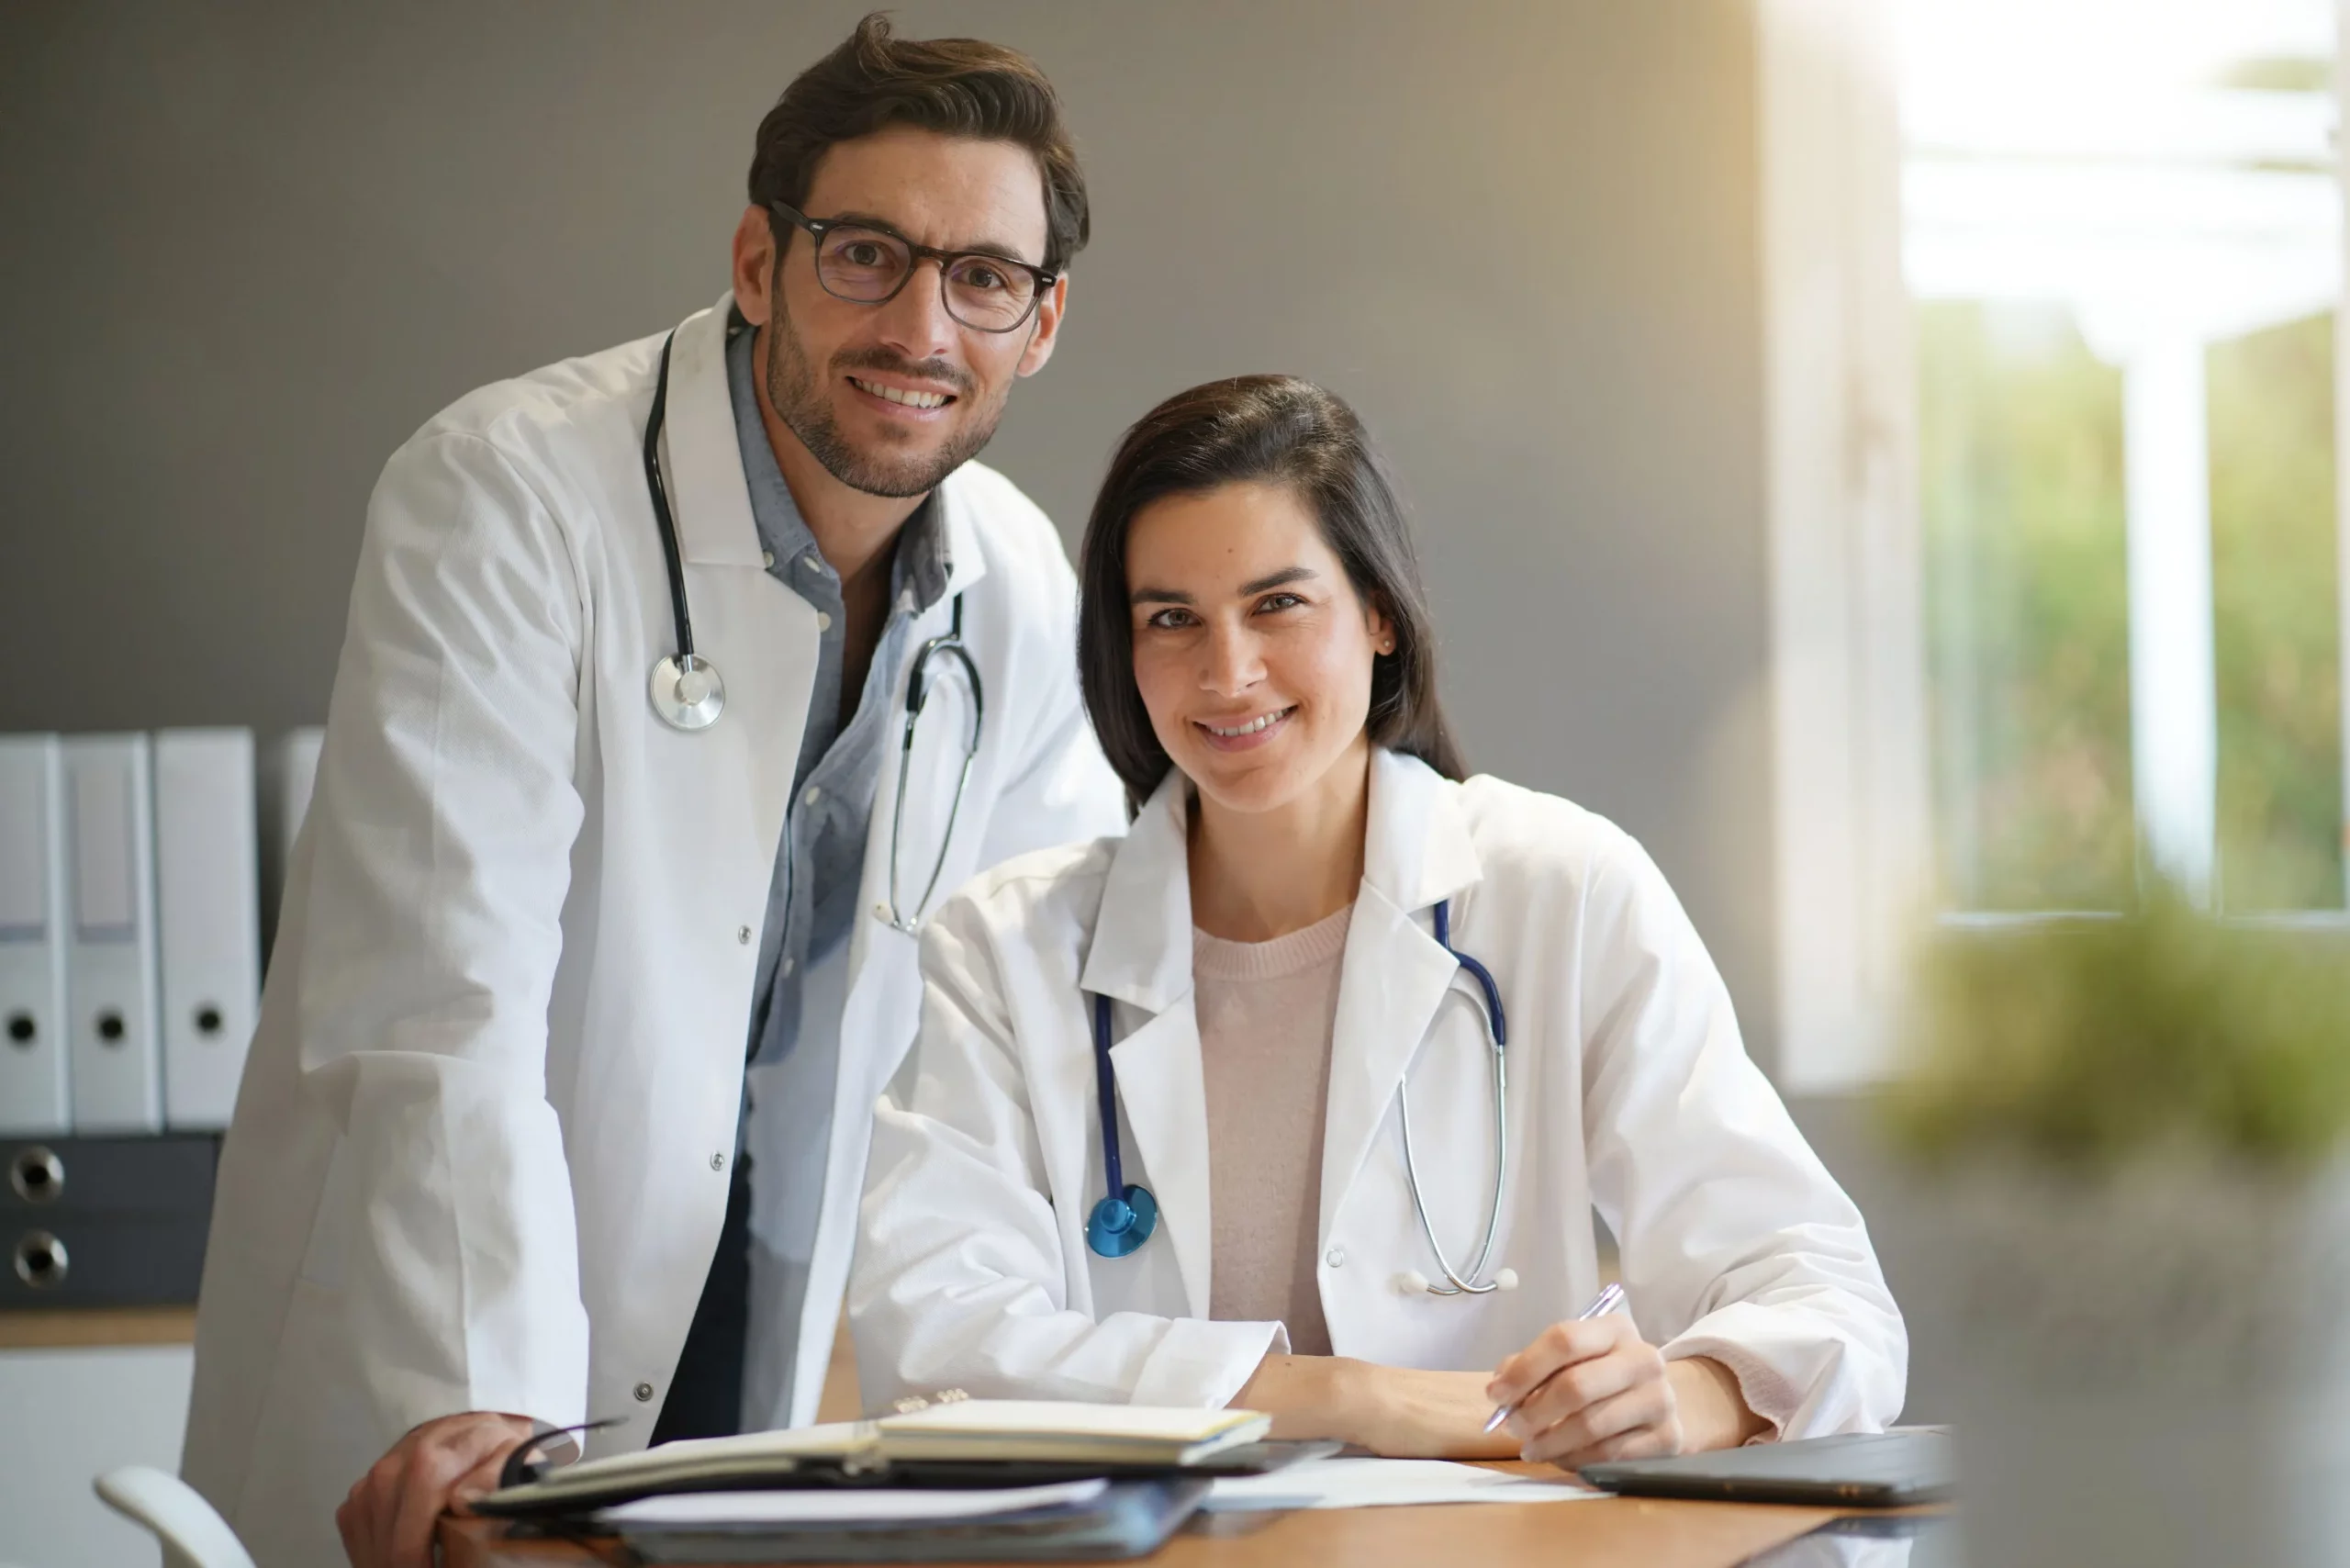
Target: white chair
{"points": [[193, 1535]]}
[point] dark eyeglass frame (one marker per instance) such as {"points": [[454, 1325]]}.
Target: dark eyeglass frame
{"points": [[818, 228]]}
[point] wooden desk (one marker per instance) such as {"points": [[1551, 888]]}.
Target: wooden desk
{"points": [[80, 1328], [1636, 1532]]}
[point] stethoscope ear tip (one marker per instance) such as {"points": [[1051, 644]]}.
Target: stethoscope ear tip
{"points": [[1506, 1280]]}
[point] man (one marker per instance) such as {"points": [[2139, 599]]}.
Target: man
{"points": [[610, 802]]}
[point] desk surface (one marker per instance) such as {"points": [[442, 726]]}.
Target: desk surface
{"points": [[1626, 1530], [81, 1327]]}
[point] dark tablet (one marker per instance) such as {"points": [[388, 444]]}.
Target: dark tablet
{"points": [[1882, 1471]]}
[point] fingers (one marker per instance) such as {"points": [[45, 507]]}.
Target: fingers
{"points": [[434, 1470], [482, 1479], [1640, 1442], [1640, 1421], [387, 1520], [1558, 1345]]}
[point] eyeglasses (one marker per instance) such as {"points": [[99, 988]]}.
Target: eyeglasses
{"points": [[869, 265]]}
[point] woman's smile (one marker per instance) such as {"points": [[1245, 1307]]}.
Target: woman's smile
{"points": [[1245, 734]]}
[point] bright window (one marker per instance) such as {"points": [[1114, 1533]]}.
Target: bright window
{"points": [[2120, 228], [2056, 537]]}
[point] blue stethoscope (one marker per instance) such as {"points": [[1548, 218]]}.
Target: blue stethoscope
{"points": [[1125, 1218]]}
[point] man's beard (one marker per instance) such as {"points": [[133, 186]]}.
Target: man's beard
{"points": [[799, 401]]}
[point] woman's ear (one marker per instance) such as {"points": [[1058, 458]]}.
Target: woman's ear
{"points": [[1381, 630]]}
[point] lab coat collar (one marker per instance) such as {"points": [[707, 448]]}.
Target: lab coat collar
{"points": [[710, 499], [1417, 850]]}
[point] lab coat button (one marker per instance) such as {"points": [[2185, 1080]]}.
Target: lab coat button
{"points": [[743, 935], [718, 1162], [644, 1393], [1336, 1257]]}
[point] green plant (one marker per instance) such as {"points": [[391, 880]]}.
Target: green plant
{"points": [[2087, 1042]]}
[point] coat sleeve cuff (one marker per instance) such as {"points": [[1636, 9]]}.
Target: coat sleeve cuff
{"points": [[1766, 1391], [1205, 1364]]}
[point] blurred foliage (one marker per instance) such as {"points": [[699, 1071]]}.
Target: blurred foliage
{"points": [[2085, 1042], [2279, 655], [2021, 492]]}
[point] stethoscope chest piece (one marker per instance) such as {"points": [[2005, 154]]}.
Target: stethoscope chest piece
{"points": [[1119, 1226], [687, 692]]}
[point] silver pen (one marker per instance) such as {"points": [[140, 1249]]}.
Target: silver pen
{"points": [[1602, 1304]]}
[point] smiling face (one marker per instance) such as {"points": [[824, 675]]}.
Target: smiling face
{"points": [[891, 397], [1252, 651]]}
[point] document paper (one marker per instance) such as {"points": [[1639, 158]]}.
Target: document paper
{"points": [[1385, 1483]]}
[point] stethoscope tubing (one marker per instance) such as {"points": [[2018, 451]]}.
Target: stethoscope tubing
{"points": [[655, 422], [698, 712], [1105, 1083]]}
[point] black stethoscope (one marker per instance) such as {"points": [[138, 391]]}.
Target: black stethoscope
{"points": [[689, 694], [1125, 1218]]}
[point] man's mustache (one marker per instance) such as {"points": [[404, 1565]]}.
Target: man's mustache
{"points": [[938, 370]]}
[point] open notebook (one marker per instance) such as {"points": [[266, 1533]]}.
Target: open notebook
{"points": [[966, 1442]]}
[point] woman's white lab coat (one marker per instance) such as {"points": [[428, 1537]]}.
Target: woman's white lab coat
{"points": [[1629, 1093], [482, 1147]]}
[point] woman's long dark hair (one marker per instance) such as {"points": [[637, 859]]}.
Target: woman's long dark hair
{"points": [[1274, 429]]}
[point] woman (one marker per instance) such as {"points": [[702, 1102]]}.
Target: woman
{"points": [[1278, 977]]}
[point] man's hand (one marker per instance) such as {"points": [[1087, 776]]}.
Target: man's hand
{"points": [[387, 1520], [1592, 1390]]}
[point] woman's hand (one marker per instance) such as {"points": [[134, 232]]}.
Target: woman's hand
{"points": [[1400, 1412], [1592, 1390]]}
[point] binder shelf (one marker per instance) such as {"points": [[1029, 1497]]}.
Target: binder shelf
{"points": [[104, 1221]]}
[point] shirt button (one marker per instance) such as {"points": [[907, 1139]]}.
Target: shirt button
{"points": [[787, 968], [766, 558], [824, 620], [811, 561], [644, 1393], [812, 796], [1336, 1257]]}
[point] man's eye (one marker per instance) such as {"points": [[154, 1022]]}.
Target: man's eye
{"points": [[980, 275], [864, 253]]}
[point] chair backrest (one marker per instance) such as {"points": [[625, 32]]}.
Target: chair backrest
{"points": [[193, 1535]]}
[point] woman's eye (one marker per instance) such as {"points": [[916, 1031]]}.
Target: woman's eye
{"points": [[1279, 601], [1169, 620]]}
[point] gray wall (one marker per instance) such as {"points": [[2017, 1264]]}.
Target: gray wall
{"points": [[252, 248]]}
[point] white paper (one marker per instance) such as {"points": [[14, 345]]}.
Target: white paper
{"points": [[1385, 1483], [842, 1504]]}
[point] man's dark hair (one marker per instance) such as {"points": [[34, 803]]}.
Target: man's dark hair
{"points": [[1272, 429], [952, 87]]}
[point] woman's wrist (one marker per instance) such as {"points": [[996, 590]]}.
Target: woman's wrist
{"points": [[1710, 1405], [1310, 1396]]}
